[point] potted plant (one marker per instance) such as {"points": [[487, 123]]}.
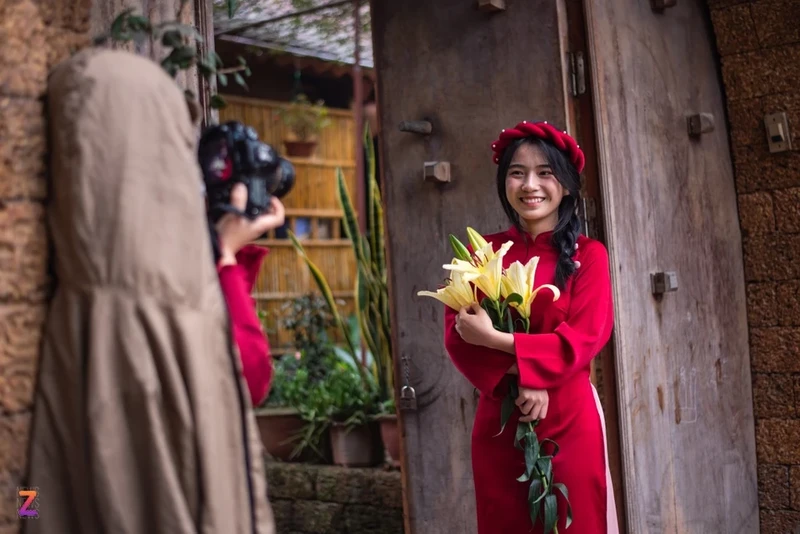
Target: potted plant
{"points": [[304, 120], [290, 419], [279, 423], [355, 441], [372, 312]]}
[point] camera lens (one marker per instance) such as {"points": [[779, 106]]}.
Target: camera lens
{"points": [[285, 181]]}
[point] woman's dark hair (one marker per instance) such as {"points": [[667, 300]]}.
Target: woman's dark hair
{"points": [[568, 227]]}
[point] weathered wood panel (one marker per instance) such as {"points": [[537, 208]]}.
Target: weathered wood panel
{"points": [[104, 12], [683, 366], [470, 74]]}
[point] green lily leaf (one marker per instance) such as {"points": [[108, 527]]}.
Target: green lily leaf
{"points": [[563, 489], [550, 513]]}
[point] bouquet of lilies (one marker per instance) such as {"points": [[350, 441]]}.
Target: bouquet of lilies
{"points": [[508, 295]]}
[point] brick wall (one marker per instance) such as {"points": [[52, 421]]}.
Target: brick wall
{"points": [[311, 499], [759, 45], [34, 35]]}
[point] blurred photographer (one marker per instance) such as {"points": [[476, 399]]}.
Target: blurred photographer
{"points": [[244, 179], [238, 267], [142, 422]]}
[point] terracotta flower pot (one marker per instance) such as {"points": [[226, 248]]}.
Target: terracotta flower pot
{"points": [[356, 446], [390, 436], [300, 149], [278, 428]]}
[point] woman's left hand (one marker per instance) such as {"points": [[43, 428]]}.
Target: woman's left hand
{"points": [[474, 325]]}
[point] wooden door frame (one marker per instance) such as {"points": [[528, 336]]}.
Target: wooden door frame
{"points": [[581, 113], [204, 20]]}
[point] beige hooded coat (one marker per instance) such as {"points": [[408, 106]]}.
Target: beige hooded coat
{"points": [[142, 422]]}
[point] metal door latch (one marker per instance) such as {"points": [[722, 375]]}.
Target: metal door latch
{"points": [[664, 282]]}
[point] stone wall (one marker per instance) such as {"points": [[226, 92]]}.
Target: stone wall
{"points": [[311, 499], [34, 36], [759, 45]]}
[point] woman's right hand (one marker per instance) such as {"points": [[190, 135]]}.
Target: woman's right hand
{"points": [[533, 404], [236, 231]]}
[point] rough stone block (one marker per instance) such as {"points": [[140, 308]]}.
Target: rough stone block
{"points": [[794, 484], [776, 22], [317, 517], [14, 431], [747, 122], [756, 214], [23, 252], [773, 487], [73, 15], [718, 4], [776, 441], [23, 56], [360, 486], [772, 257], [762, 304], [774, 395], [22, 149], [290, 481], [63, 43], [20, 338], [763, 72], [787, 209], [735, 29], [758, 170], [775, 350], [361, 519], [788, 297], [284, 514], [779, 521]]}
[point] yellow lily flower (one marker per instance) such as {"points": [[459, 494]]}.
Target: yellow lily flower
{"points": [[486, 268], [456, 293], [519, 279]]}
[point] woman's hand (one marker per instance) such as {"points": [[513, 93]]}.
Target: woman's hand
{"points": [[533, 404], [236, 231], [474, 325]]}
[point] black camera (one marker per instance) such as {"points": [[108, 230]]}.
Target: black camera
{"points": [[231, 153]]}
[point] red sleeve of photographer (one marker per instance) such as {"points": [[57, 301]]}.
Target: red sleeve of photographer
{"points": [[237, 282]]}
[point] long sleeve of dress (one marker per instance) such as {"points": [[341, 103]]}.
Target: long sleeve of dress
{"points": [[237, 282], [484, 368], [548, 360]]}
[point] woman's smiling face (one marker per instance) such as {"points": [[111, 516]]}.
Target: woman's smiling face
{"points": [[533, 190]]}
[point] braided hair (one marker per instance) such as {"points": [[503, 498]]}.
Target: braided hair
{"points": [[568, 227]]}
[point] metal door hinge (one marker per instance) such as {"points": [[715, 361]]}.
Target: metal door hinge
{"points": [[577, 68]]}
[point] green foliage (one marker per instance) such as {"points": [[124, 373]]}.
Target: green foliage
{"points": [[180, 44], [372, 296], [309, 320]]}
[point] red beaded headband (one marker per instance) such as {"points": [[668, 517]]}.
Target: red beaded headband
{"points": [[562, 140]]}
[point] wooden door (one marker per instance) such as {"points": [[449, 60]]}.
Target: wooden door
{"points": [[683, 368], [468, 73]]}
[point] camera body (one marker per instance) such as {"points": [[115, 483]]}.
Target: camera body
{"points": [[231, 153]]}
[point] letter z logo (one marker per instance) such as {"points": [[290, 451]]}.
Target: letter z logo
{"points": [[27, 499]]}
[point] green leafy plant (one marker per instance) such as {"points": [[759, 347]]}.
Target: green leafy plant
{"points": [[303, 118], [309, 320], [180, 43], [372, 297]]}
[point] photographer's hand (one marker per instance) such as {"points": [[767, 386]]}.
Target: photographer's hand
{"points": [[236, 231]]}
